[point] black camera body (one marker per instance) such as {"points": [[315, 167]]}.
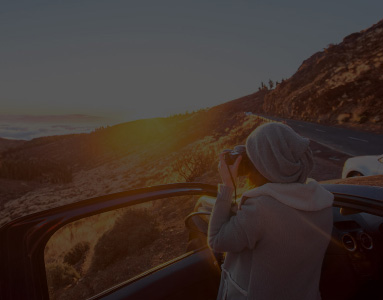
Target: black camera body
{"points": [[231, 156]]}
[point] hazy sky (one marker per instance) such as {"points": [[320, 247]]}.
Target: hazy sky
{"points": [[135, 59]]}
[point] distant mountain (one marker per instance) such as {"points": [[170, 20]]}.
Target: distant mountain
{"points": [[343, 84]]}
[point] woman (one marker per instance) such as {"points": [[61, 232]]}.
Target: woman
{"points": [[276, 242]]}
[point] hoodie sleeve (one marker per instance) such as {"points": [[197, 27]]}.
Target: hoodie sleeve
{"points": [[232, 233]]}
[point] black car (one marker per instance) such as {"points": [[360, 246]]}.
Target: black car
{"points": [[134, 249]]}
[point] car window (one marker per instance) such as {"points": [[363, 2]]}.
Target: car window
{"points": [[93, 254]]}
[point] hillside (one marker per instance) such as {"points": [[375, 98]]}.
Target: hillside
{"points": [[341, 85], [6, 144], [158, 136], [62, 169]]}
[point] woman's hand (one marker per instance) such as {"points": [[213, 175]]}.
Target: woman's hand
{"points": [[224, 172]]}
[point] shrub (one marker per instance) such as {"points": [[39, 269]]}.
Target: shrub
{"points": [[362, 119], [132, 231], [195, 162], [77, 253], [343, 118], [60, 275]]}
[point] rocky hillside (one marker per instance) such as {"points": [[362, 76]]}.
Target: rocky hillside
{"points": [[341, 85]]}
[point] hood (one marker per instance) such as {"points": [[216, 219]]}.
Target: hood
{"points": [[309, 196]]}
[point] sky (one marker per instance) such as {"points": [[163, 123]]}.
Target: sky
{"points": [[124, 60]]}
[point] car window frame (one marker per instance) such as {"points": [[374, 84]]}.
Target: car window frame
{"points": [[22, 259]]}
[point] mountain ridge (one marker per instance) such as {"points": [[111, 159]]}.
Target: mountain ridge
{"points": [[341, 85]]}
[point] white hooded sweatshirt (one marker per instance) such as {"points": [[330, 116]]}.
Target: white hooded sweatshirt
{"points": [[275, 243]]}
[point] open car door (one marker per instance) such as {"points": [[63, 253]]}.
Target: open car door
{"points": [[129, 245], [135, 245]]}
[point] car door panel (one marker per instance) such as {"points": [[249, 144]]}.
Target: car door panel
{"points": [[193, 277]]}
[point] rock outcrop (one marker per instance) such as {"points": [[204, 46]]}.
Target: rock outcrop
{"points": [[341, 85]]}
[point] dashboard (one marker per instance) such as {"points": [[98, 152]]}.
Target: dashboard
{"points": [[352, 267]]}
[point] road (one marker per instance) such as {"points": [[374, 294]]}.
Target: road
{"points": [[348, 141]]}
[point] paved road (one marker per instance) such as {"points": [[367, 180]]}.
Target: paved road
{"points": [[351, 142]]}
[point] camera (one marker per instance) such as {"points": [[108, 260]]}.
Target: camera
{"points": [[231, 155]]}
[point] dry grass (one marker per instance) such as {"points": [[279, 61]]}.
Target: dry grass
{"points": [[376, 180], [134, 240]]}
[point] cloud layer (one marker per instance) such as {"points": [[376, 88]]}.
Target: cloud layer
{"points": [[24, 127]]}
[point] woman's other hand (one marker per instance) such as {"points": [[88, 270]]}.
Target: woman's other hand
{"points": [[224, 172]]}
